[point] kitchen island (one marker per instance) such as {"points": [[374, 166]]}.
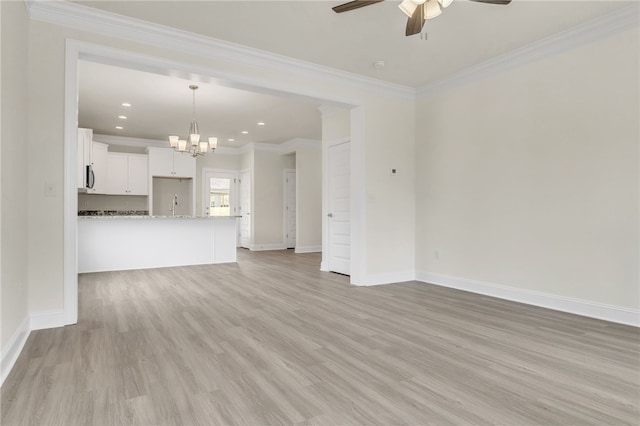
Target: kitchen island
{"points": [[113, 243]]}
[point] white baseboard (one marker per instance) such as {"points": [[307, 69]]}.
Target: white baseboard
{"points": [[388, 278], [324, 267], [265, 247], [308, 249], [10, 354], [47, 319], [585, 308]]}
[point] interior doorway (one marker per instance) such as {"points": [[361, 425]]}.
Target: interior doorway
{"points": [[80, 50], [339, 208], [290, 208], [220, 190], [244, 209]]}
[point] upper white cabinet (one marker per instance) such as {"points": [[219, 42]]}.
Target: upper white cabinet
{"points": [[127, 174], [184, 165], [138, 173], [165, 162], [99, 166]]}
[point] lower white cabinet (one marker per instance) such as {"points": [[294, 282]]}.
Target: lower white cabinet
{"points": [[127, 174]]}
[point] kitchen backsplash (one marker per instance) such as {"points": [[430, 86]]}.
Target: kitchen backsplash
{"points": [[95, 202], [163, 191]]}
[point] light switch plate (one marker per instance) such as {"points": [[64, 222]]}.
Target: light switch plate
{"points": [[49, 189]]}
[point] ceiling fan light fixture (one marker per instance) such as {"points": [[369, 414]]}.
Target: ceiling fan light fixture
{"points": [[432, 9], [445, 3], [408, 7]]}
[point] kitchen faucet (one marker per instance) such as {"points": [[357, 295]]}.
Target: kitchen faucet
{"points": [[174, 203]]}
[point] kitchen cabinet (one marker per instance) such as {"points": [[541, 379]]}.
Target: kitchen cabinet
{"points": [[99, 156], [127, 174], [83, 157], [165, 162]]}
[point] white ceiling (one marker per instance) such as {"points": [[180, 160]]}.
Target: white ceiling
{"points": [[162, 105], [466, 34]]}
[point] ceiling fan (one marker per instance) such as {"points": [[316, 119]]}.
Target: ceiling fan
{"points": [[418, 11]]}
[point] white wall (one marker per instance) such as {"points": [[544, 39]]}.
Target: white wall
{"points": [[112, 202], [336, 124], [308, 162], [529, 178], [390, 199], [268, 197], [14, 169], [163, 191]]}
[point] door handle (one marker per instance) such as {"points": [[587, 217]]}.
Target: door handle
{"points": [[330, 215]]}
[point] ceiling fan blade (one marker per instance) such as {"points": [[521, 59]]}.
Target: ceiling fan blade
{"points": [[503, 2], [416, 22], [356, 4]]}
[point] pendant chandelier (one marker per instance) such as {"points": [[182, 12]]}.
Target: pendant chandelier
{"points": [[192, 145]]}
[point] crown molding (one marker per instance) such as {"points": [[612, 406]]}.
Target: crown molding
{"points": [[329, 110], [152, 143], [296, 143], [282, 148], [259, 146], [598, 28], [92, 20], [126, 141]]}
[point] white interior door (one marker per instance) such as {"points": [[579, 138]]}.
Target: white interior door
{"points": [[244, 209], [339, 214], [220, 193], [290, 208]]}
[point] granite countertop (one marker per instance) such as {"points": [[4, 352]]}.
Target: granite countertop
{"points": [[93, 213], [141, 217]]}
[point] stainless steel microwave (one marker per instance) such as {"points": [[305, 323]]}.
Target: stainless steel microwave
{"points": [[91, 177]]}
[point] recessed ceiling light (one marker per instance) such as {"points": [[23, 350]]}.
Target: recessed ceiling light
{"points": [[231, 140], [126, 104], [119, 127], [260, 123], [244, 132], [122, 117]]}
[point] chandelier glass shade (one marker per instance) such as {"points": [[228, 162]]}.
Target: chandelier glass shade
{"points": [[192, 145]]}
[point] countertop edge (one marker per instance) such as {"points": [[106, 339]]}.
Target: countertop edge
{"points": [[140, 217]]}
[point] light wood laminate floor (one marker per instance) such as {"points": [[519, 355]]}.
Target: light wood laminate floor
{"points": [[272, 340]]}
